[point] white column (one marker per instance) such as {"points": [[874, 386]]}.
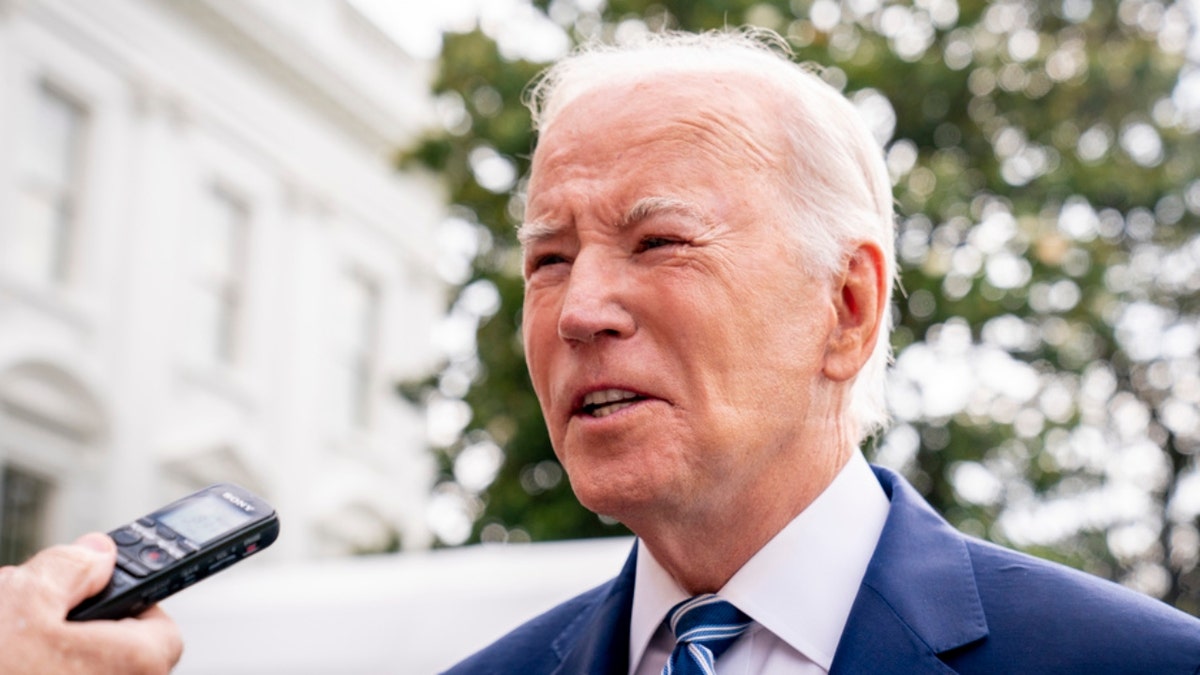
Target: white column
{"points": [[145, 295]]}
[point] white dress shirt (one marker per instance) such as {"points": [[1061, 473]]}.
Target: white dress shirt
{"points": [[798, 588]]}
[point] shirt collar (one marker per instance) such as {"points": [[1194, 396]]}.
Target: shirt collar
{"points": [[801, 585]]}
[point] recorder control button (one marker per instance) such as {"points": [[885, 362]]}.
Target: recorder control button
{"points": [[154, 557], [132, 566], [120, 579], [165, 532], [125, 537], [146, 521]]}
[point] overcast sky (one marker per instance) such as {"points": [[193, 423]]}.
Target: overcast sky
{"points": [[519, 29], [418, 24]]}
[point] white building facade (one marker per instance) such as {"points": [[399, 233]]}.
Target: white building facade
{"points": [[210, 269]]}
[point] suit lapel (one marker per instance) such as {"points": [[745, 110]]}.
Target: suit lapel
{"points": [[597, 642], [918, 598]]}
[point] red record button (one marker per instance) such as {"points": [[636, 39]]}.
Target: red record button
{"points": [[154, 557]]}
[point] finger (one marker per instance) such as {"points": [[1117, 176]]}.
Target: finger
{"points": [[148, 643], [74, 573]]}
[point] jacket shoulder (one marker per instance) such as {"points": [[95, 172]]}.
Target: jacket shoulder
{"points": [[1056, 619], [956, 603]]}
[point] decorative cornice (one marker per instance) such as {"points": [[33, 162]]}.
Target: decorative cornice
{"points": [[151, 100], [10, 8], [288, 61]]}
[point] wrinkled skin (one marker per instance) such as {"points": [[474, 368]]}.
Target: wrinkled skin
{"points": [[693, 374], [36, 638]]}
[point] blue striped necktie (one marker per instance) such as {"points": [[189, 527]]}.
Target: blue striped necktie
{"points": [[704, 627]]}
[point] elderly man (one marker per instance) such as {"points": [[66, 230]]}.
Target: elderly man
{"points": [[708, 264]]}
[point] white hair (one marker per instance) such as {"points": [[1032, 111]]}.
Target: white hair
{"points": [[838, 185]]}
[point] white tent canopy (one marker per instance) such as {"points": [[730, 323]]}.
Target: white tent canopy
{"points": [[397, 614]]}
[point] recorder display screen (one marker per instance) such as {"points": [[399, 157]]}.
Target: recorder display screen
{"points": [[204, 519]]}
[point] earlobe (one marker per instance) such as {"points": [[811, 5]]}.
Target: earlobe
{"points": [[860, 304]]}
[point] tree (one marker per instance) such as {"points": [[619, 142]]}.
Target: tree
{"points": [[1046, 392]]}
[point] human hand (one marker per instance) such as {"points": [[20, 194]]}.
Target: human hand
{"points": [[36, 638]]}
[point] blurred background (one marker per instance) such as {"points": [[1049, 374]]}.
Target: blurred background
{"points": [[272, 243]]}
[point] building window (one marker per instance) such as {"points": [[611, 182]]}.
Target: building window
{"points": [[38, 247], [356, 309], [217, 253], [24, 507]]}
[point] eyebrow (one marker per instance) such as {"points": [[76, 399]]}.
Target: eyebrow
{"points": [[531, 232], [652, 206]]}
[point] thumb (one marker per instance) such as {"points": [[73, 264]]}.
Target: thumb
{"points": [[100, 543], [77, 572]]}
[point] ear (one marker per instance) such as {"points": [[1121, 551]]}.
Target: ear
{"points": [[860, 304]]}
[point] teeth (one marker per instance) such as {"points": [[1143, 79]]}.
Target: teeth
{"points": [[608, 401], [608, 396], [610, 409]]}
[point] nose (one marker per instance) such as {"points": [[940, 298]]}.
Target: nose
{"points": [[593, 306]]}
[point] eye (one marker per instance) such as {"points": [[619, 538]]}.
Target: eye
{"points": [[545, 260], [652, 242]]}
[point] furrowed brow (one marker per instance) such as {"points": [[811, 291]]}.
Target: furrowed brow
{"points": [[651, 206], [530, 233], [535, 231]]}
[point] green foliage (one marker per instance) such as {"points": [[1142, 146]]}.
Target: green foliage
{"points": [[1047, 194]]}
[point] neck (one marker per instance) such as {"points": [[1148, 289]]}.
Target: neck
{"points": [[702, 551]]}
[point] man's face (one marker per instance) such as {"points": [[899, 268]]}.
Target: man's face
{"points": [[675, 341]]}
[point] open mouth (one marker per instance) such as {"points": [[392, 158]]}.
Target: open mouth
{"points": [[607, 401]]}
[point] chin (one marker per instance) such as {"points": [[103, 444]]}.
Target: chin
{"points": [[625, 477], [617, 495]]}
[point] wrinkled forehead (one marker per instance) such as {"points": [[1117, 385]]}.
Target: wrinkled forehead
{"points": [[730, 116]]}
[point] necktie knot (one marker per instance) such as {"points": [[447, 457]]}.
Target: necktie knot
{"points": [[704, 627]]}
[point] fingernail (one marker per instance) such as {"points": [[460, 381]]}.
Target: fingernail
{"points": [[95, 541]]}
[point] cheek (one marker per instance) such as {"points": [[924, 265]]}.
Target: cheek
{"points": [[747, 325], [776, 347], [537, 332], [544, 359]]}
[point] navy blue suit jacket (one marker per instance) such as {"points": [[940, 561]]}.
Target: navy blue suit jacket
{"points": [[932, 601]]}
